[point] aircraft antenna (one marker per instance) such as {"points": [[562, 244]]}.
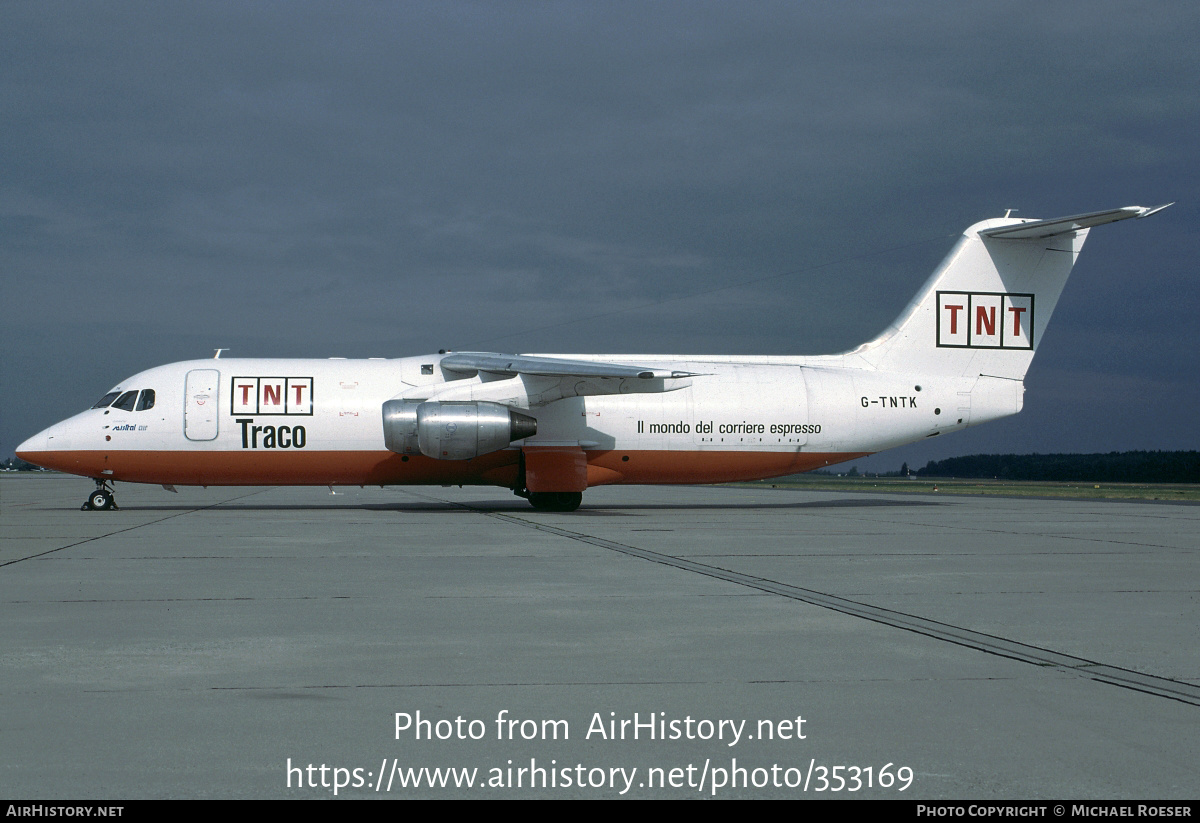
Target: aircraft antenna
{"points": [[217, 356]]}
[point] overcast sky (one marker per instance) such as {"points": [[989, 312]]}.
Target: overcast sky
{"points": [[386, 179]]}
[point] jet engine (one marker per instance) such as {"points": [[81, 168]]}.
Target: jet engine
{"points": [[452, 430]]}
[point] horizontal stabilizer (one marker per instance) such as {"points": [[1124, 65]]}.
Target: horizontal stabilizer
{"points": [[514, 364], [1065, 225]]}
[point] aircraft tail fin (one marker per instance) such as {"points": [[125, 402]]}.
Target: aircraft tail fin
{"points": [[985, 308]]}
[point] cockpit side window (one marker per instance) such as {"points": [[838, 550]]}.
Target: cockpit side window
{"points": [[125, 402], [104, 401], [146, 401]]}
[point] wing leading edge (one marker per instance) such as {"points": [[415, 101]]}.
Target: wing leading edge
{"points": [[526, 382], [471, 363]]}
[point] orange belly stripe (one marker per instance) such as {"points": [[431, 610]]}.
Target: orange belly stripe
{"points": [[319, 468]]}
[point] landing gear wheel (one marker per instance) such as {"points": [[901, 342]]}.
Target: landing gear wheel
{"points": [[555, 501], [100, 500]]}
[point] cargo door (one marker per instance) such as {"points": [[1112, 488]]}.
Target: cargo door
{"points": [[200, 404]]}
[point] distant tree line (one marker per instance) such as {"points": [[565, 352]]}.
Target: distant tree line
{"points": [[1114, 467]]}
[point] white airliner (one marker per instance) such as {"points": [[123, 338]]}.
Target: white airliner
{"points": [[550, 426]]}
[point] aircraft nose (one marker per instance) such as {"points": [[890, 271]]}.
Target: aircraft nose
{"points": [[46, 448], [40, 442], [54, 448]]}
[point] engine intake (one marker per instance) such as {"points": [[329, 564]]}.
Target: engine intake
{"points": [[452, 430]]}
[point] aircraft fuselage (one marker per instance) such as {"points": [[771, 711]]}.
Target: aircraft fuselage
{"points": [[318, 422], [550, 426]]}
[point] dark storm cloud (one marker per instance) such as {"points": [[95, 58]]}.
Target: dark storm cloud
{"points": [[384, 179]]}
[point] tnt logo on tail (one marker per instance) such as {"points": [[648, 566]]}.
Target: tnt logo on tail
{"points": [[984, 320]]}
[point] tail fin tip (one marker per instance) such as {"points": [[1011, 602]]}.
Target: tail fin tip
{"points": [[985, 309]]}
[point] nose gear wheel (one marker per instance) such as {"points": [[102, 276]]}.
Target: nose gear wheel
{"points": [[101, 500]]}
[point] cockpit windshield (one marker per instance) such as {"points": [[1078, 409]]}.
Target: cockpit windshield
{"points": [[106, 400], [125, 402]]}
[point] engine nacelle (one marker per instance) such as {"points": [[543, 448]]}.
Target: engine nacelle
{"points": [[452, 430], [400, 426]]}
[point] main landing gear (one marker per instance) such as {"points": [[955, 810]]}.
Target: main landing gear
{"points": [[546, 501], [555, 501], [101, 500]]}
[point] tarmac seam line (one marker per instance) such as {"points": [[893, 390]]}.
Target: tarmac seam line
{"points": [[990, 644], [127, 529]]}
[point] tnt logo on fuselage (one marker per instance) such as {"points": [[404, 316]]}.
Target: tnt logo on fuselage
{"points": [[272, 395], [984, 320]]}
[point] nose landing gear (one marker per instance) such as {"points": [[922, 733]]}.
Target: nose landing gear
{"points": [[101, 499]]}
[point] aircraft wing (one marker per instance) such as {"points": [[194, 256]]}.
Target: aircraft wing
{"points": [[1063, 225], [525, 381], [513, 364]]}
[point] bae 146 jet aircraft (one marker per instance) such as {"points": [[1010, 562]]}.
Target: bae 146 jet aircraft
{"points": [[550, 426]]}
